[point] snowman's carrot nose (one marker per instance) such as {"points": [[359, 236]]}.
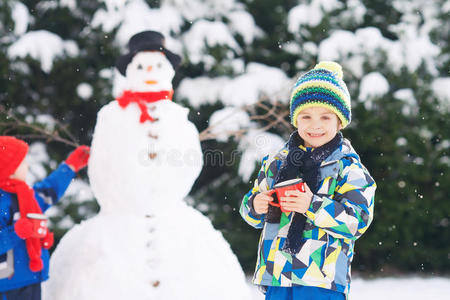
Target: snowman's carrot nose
{"points": [[149, 68]]}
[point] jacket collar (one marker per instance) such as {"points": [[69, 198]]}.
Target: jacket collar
{"points": [[345, 150]]}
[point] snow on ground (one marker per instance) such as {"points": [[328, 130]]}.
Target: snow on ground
{"points": [[413, 288]]}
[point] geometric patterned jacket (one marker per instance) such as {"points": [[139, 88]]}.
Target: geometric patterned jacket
{"points": [[340, 212]]}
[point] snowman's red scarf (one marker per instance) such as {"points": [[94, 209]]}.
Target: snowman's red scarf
{"points": [[141, 99]]}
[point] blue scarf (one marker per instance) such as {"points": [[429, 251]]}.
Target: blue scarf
{"points": [[305, 165]]}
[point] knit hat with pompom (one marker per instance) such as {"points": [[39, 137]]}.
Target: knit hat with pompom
{"points": [[322, 86]]}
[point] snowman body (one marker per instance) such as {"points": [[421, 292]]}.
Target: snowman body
{"points": [[146, 242]]}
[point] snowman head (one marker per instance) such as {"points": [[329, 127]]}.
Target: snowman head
{"points": [[149, 71], [148, 66]]}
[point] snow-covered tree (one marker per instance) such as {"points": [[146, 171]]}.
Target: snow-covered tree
{"points": [[241, 58]]}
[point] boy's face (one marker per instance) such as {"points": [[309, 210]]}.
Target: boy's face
{"points": [[21, 171], [317, 126]]}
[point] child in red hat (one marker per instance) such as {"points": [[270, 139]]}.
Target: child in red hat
{"points": [[24, 236]]}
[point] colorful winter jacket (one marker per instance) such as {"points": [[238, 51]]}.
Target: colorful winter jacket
{"points": [[14, 270], [340, 212]]}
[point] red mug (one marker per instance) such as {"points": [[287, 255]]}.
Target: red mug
{"points": [[40, 223], [282, 187]]}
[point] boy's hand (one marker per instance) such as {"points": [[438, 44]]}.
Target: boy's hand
{"points": [[261, 202], [78, 159], [297, 201]]}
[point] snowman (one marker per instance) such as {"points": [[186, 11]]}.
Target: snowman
{"points": [[146, 242]]}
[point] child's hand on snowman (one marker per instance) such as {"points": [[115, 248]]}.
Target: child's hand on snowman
{"points": [[78, 159], [261, 202], [297, 201]]}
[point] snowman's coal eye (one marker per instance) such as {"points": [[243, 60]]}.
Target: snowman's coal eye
{"points": [[139, 67]]}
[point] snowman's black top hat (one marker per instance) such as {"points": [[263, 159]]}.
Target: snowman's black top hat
{"points": [[146, 41]]}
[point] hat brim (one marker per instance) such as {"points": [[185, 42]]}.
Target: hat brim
{"points": [[123, 61]]}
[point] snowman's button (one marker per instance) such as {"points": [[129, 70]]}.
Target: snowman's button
{"points": [[152, 155], [156, 283], [152, 108], [152, 136], [155, 120]]}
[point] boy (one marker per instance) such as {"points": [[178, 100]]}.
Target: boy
{"points": [[24, 237], [305, 252]]}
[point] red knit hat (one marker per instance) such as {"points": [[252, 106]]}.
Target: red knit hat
{"points": [[12, 153]]}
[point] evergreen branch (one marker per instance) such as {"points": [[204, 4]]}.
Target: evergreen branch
{"points": [[66, 131], [41, 132]]}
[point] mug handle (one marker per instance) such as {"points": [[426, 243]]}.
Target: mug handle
{"points": [[271, 192]]}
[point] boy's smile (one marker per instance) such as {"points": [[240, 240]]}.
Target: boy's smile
{"points": [[317, 126]]}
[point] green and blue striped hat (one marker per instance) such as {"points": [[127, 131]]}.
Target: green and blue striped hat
{"points": [[322, 86]]}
